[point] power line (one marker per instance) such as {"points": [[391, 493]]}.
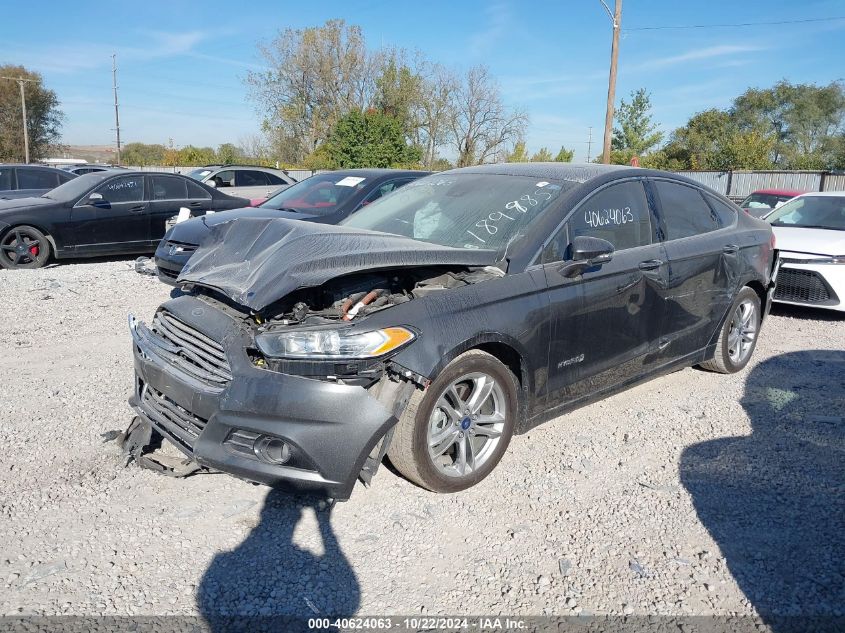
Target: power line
{"points": [[739, 24]]}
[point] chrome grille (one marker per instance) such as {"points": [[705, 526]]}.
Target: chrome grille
{"points": [[197, 353], [801, 286], [179, 422]]}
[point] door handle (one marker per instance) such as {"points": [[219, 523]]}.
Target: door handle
{"points": [[730, 249], [651, 264], [196, 204], [137, 209]]}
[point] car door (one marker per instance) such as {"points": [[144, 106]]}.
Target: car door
{"points": [[251, 183], [116, 222], [606, 321], [169, 194], [703, 265]]}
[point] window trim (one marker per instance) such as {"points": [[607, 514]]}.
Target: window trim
{"points": [[537, 260]]}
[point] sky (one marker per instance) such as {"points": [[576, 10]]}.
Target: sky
{"points": [[181, 65]]}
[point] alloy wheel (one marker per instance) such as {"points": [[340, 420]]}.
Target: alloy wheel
{"points": [[743, 331], [466, 424], [20, 247]]}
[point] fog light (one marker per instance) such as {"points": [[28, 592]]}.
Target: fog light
{"points": [[272, 450]]}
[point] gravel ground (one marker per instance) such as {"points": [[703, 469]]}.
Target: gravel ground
{"points": [[693, 494]]}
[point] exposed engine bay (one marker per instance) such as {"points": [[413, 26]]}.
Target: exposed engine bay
{"points": [[353, 297]]}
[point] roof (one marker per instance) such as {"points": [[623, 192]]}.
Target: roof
{"points": [[575, 172], [779, 192], [35, 165], [376, 172]]}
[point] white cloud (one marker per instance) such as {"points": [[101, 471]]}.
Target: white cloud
{"points": [[498, 18], [696, 54]]}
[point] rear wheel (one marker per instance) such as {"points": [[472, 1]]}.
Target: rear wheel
{"points": [[453, 435], [738, 336], [24, 247]]}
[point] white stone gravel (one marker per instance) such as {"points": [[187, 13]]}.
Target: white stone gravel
{"points": [[660, 500]]}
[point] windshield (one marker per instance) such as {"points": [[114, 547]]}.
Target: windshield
{"points": [[763, 201], [199, 174], [322, 194], [72, 189], [461, 210], [816, 212]]}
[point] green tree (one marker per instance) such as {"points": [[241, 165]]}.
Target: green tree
{"points": [[141, 154], [43, 117], [196, 156], [229, 153], [543, 155], [635, 132], [565, 155], [518, 154], [366, 139], [314, 77]]}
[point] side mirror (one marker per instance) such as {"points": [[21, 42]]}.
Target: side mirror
{"points": [[95, 197], [586, 252], [592, 250], [211, 183]]}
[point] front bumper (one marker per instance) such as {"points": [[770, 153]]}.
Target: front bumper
{"points": [[803, 282], [170, 261], [330, 428]]}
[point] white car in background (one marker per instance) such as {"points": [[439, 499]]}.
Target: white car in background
{"points": [[810, 234], [243, 181]]}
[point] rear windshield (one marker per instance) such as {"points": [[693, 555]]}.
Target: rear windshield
{"points": [[322, 194], [812, 212], [462, 210]]}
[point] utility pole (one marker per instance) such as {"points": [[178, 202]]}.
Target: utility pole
{"points": [[116, 115], [616, 17], [20, 81], [589, 143]]}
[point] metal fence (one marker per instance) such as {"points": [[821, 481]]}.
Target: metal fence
{"points": [[738, 184], [734, 184]]}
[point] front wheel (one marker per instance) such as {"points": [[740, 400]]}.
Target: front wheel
{"points": [[24, 247], [452, 436], [738, 336]]}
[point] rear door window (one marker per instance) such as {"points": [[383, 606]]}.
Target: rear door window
{"points": [[251, 178], [36, 179], [169, 188], [5, 179], [273, 179], [684, 211]]}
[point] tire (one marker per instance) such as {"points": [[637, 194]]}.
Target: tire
{"points": [[729, 358], [480, 436], [24, 247]]}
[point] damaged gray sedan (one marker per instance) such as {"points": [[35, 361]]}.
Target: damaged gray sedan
{"points": [[437, 322]]}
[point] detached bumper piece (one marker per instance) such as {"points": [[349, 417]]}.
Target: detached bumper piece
{"points": [[196, 385]]}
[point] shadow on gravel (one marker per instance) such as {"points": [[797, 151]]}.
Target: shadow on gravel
{"points": [[269, 583], [809, 314], [774, 501]]}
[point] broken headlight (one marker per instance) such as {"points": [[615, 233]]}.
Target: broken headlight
{"points": [[333, 344]]}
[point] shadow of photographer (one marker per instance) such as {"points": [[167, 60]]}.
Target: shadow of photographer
{"points": [[774, 501], [268, 582]]}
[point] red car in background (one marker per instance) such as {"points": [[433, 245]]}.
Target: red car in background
{"points": [[763, 201]]}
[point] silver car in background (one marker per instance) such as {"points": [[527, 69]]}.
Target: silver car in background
{"points": [[243, 181]]}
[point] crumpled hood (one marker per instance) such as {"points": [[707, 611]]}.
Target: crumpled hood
{"points": [[256, 261], [812, 241], [195, 230]]}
